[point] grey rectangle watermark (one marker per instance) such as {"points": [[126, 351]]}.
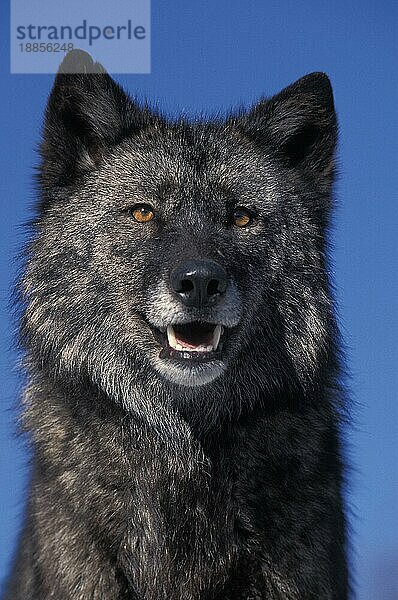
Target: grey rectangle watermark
{"points": [[115, 33]]}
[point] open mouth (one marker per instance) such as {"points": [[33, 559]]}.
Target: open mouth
{"points": [[195, 341]]}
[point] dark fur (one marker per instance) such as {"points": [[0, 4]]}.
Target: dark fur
{"points": [[143, 488]]}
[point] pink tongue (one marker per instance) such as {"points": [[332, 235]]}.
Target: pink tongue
{"points": [[185, 344], [205, 341]]}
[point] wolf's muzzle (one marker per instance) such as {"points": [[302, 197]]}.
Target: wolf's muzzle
{"points": [[199, 283]]}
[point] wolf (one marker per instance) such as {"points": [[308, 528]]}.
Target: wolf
{"points": [[183, 361]]}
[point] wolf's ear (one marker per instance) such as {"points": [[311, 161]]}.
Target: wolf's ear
{"points": [[87, 113], [298, 124]]}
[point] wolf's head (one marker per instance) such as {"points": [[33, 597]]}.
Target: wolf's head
{"points": [[177, 250]]}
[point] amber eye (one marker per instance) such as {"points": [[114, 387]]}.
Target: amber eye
{"points": [[242, 217], [142, 213]]}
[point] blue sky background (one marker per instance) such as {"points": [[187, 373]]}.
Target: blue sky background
{"points": [[211, 56]]}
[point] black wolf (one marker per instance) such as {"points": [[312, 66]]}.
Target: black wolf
{"points": [[182, 352]]}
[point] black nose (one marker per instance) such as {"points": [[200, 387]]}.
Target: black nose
{"points": [[199, 283]]}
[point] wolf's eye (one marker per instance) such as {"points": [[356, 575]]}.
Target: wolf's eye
{"points": [[242, 217], [142, 213]]}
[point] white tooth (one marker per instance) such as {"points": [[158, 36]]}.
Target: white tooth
{"points": [[179, 347], [171, 337], [216, 336]]}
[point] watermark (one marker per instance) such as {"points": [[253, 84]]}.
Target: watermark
{"points": [[117, 34]]}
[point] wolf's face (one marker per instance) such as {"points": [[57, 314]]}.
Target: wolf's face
{"points": [[173, 246], [180, 227]]}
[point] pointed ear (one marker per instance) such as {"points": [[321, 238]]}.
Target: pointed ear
{"points": [[87, 113], [299, 124]]}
